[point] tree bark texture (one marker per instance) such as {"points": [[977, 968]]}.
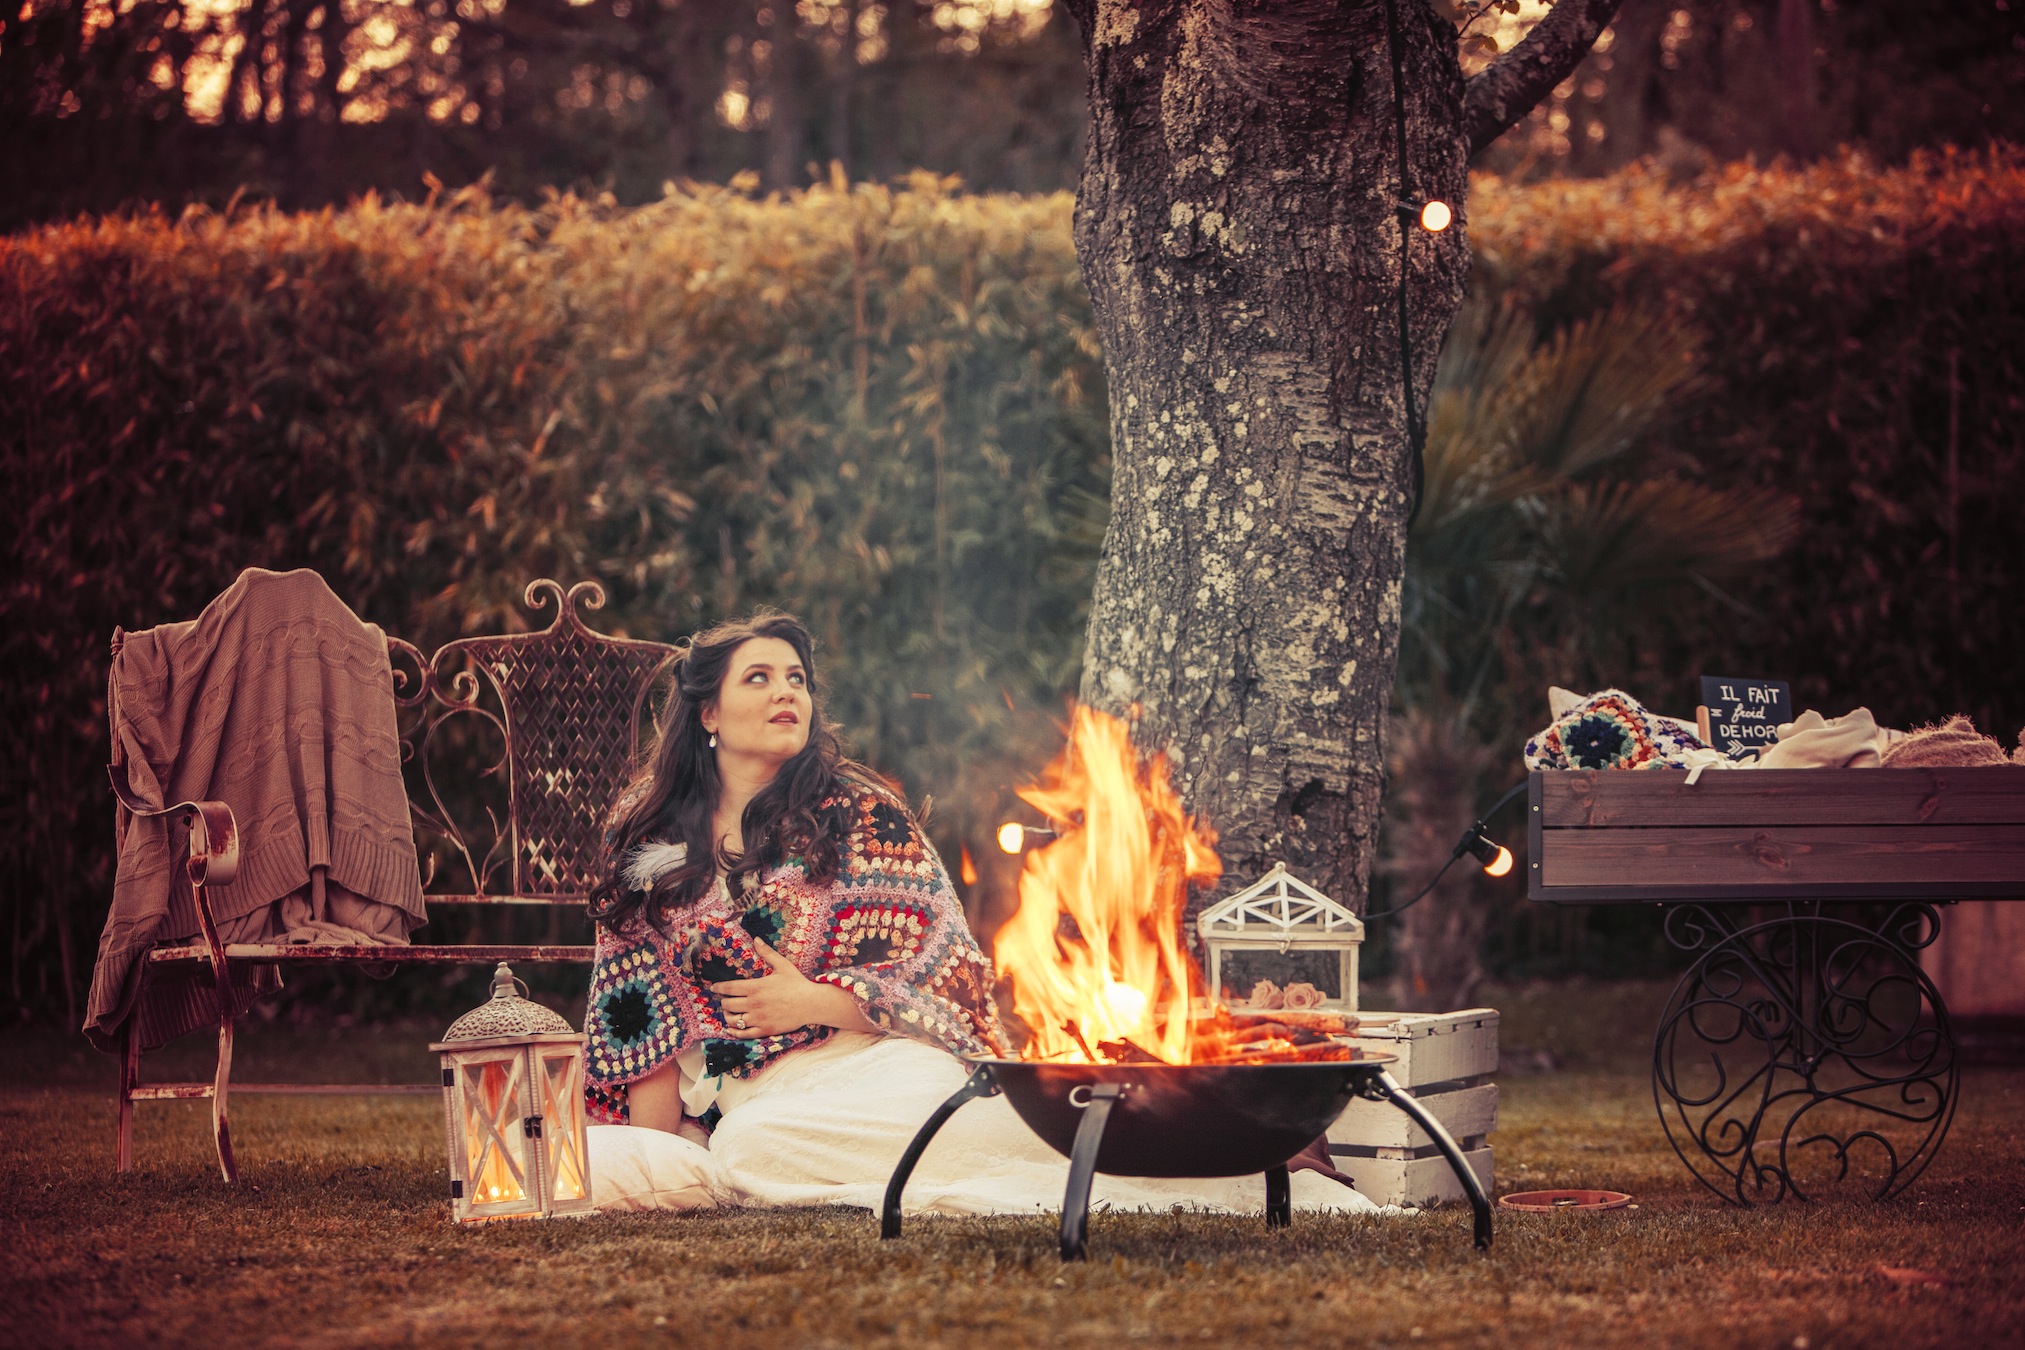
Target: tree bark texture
{"points": [[1238, 232]]}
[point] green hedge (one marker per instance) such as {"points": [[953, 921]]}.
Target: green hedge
{"points": [[883, 408], [1862, 329]]}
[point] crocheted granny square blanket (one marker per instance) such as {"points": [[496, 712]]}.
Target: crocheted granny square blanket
{"points": [[889, 929], [1612, 730]]}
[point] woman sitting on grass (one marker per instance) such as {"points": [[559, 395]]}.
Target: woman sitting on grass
{"points": [[784, 978]]}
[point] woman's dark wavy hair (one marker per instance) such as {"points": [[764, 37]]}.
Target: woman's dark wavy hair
{"points": [[673, 800]]}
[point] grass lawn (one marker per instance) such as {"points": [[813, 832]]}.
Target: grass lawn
{"points": [[339, 1234]]}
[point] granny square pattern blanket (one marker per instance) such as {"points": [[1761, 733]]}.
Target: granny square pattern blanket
{"points": [[888, 929]]}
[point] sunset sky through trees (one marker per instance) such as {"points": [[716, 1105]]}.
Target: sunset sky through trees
{"points": [[107, 103]]}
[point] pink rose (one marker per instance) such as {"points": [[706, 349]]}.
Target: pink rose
{"points": [[1266, 994], [1302, 995]]}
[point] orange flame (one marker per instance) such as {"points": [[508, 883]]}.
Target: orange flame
{"points": [[1095, 951]]}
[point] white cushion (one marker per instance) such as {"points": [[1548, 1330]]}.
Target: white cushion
{"points": [[636, 1168]]}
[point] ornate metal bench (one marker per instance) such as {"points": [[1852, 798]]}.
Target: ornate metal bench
{"points": [[1805, 1031], [567, 706]]}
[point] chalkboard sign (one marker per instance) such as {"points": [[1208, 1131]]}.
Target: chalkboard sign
{"points": [[1744, 714]]}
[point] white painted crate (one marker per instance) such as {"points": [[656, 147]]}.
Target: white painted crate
{"points": [[1446, 1060], [1466, 1113], [1418, 1183], [1436, 1048]]}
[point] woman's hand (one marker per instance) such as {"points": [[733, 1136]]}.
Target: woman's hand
{"points": [[784, 1000]]}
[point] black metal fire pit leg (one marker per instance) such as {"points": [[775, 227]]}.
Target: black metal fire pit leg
{"points": [[1434, 1129], [1279, 1197], [981, 1084], [1083, 1166]]}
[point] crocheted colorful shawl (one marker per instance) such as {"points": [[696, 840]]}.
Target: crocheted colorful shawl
{"points": [[889, 929]]}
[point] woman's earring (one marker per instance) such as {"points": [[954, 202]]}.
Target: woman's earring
{"points": [[713, 740]]}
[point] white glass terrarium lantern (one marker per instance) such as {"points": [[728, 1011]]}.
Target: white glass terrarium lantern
{"points": [[1282, 930], [513, 1103]]}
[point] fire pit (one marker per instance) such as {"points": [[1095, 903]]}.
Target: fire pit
{"points": [[1181, 1120], [1129, 1069]]}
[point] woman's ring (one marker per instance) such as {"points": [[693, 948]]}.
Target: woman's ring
{"points": [[738, 1021]]}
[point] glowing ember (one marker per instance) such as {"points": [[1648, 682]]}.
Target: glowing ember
{"points": [[1095, 950]]}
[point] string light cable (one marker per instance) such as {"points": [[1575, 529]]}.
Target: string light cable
{"points": [[1475, 842], [1433, 216]]}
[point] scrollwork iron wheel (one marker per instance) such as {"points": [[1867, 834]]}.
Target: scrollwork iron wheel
{"points": [[1804, 1053]]}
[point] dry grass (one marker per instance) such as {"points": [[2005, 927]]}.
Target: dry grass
{"points": [[339, 1236]]}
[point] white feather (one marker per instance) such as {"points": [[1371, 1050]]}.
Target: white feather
{"points": [[649, 861]]}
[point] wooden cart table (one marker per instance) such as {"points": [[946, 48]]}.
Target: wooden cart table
{"points": [[1805, 1047]]}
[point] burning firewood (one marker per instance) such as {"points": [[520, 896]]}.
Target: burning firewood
{"points": [[1278, 1051], [1327, 1023]]}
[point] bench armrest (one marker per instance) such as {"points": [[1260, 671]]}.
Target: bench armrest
{"points": [[214, 835]]}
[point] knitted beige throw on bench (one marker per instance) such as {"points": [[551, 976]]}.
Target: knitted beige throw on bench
{"points": [[277, 700]]}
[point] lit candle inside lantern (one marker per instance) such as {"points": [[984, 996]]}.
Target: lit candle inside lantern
{"points": [[513, 1104]]}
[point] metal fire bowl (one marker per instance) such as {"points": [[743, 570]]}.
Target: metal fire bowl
{"points": [[1186, 1120]]}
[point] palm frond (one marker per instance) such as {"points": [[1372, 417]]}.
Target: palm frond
{"points": [[1595, 388], [1516, 530], [1468, 458], [1614, 538]]}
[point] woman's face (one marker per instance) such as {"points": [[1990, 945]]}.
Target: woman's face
{"points": [[762, 710]]}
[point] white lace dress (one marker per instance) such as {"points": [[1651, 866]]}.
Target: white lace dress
{"points": [[826, 1125]]}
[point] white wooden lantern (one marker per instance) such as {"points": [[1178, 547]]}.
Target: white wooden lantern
{"points": [[513, 1104], [1284, 926]]}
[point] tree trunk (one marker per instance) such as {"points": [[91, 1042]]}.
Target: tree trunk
{"points": [[1237, 230], [249, 65], [681, 48], [784, 76], [1270, 332], [1796, 76], [844, 92], [1637, 102]]}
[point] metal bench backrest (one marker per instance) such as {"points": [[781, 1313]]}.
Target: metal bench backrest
{"points": [[571, 705]]}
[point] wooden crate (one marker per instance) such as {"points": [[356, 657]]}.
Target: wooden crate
{"points": [[1467, 1113], [1612, 837], [1447, 1060], [1436, 1048], [1420, 1183]]}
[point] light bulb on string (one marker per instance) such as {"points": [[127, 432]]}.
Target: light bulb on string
{"points": [[1013, 836], [1495, 857], [1433, 215]]}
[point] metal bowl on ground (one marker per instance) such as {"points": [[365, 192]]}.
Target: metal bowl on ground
{"points": [[1180, 1120], [1185, 1120]]}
